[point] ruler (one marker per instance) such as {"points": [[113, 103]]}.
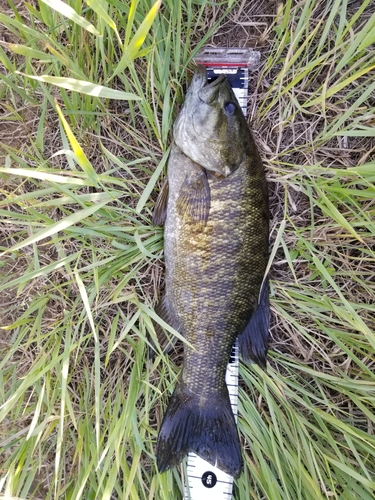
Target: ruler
{"points": [[204, 481], [235, 63]]}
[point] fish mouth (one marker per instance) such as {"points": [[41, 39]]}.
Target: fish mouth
{"points": [[207, 92]]}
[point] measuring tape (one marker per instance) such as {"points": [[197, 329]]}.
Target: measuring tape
{"points": [[204, 481]]}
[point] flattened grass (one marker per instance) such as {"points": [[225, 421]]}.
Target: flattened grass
{"points": [[88, 94]]}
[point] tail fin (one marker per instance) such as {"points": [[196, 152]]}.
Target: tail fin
{"points": [[205, 427]]}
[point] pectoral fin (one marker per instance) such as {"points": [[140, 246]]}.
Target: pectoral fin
{"points": [[160, 210], [253, 341], [194, 198]]}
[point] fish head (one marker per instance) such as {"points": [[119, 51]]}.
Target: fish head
{"points": [[211, 128]]}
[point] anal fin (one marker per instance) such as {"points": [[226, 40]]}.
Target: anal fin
{"points": [[253, 341]]}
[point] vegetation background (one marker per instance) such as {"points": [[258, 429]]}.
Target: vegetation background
{"points": [[88, 93]]}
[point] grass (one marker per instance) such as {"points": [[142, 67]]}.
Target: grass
{"points": [[87, 98]]}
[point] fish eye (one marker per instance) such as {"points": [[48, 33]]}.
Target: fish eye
{"points": [[230, 108]]}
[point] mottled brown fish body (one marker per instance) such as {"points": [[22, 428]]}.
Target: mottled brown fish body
{"points": [[216, 252]]}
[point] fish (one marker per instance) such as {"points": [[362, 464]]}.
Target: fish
{"points": [[214, 207]]}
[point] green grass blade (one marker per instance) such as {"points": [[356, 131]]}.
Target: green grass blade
{"points": [[87, 88], [67, 11], [132, 50], [59, 226]]}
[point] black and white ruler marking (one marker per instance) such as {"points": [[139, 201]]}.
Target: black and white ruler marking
{"points": [[204, 481]]}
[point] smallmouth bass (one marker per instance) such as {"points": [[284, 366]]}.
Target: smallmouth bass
{"points": [[214, 206]]}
